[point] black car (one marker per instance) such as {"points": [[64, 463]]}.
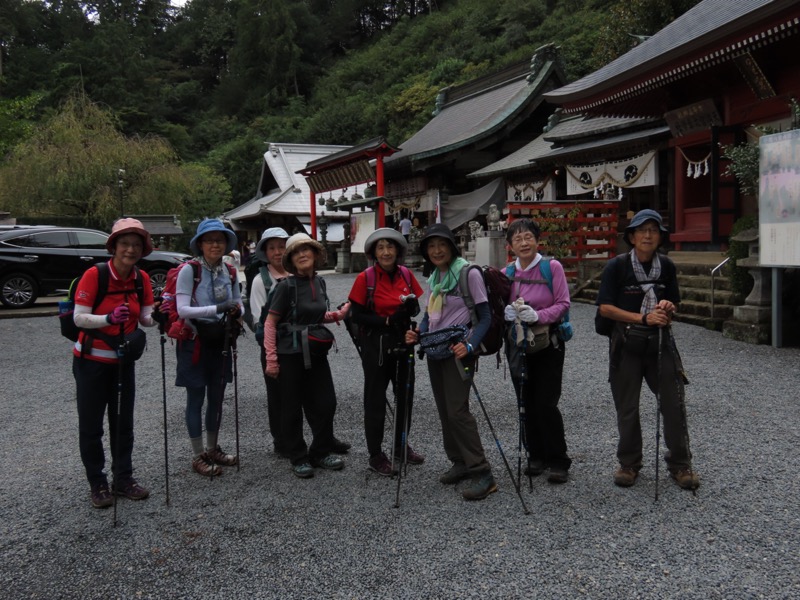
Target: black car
{"points": [[41, 260]]}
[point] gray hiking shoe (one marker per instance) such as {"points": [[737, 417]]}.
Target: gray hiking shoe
{"points": [[303, 470], [330, 462], [481, 486], [454, 474]]}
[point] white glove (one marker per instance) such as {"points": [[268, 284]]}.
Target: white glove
{"points": [[510, 313], [527, 314]]}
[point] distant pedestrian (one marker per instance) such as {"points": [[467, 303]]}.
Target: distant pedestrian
{"points": [[98, 363], [639, 291], [383, 300], [204, 366], [451, 375], [405, 227]]}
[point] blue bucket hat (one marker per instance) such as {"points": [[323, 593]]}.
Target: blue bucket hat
{"points": [[207, 226], [641, 217]]}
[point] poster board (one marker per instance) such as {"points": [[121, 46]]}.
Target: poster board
{"points": [[361, 225], [779, 199]]}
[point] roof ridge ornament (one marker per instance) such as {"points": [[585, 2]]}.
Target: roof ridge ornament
{"points": [[543, 54]]}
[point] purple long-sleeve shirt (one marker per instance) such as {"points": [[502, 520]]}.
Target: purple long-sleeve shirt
{"points": [[550, 306]]}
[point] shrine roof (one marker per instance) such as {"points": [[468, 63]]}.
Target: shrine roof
{"points": [[674, 51]]}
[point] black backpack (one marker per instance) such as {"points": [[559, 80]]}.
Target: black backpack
{"points": [[67, 309]]}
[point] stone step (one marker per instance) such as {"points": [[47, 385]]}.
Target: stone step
{"points": [[703, 281], [747, 332], [714, 324], [704, 295], [703, 309]]}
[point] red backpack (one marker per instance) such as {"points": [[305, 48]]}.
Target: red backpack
{"points": [[176, 327]]}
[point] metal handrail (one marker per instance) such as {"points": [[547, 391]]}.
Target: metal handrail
{"points": [[713, 272]]}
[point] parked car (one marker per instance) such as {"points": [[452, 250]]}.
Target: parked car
{"points": [[42, 260]]}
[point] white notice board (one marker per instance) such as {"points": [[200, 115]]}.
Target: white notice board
{"points": [[779, 199]]}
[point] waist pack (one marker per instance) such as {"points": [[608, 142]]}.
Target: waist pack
{"points": [[436, 344], [135, 343], [313, 340], [641, 340], [210, 333]]}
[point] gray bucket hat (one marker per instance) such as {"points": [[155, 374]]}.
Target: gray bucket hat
{"points": [[641, 217], [386, 233], [272, 232]]}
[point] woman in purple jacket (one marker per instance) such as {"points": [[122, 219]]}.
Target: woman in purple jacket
{"points": [[536, 305]]}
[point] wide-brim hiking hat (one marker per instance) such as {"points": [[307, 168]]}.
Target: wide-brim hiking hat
{"points": [[207, 226], [641, 217], [272, 232], [438, 230], [386, 233], [125, 226], [293, 244]]}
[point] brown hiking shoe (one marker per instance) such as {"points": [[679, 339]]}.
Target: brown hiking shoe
{"points": [[130, 489], [220, 458], [481, 486], [101, 495], [686, 479], [203, 465], [625, 476]]}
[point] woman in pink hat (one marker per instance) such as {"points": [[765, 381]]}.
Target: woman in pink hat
{"points": [[111, 301]]}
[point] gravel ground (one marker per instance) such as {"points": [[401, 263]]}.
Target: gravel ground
{"points": [[262, 533]]}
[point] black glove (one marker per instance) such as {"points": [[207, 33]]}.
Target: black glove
{"points": [[227, 306], [160, 317]]}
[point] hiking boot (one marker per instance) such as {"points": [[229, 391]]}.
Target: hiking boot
{"points": [[130, 489], [534, 468], [413, 458], [454, 474], [558, 476], [101, 495], [202, 464], [625, 476], [220, 458], [303, 470], [686, 479], [381, 465], [481, 486], [340, 447], [330, 462]]}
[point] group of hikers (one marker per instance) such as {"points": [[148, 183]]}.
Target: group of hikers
{"points": [[290, 307]]}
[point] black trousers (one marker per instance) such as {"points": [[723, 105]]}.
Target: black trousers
{"points": [[97, 393], [310, 393], [385, 360], [544, 425], [273, 403]]}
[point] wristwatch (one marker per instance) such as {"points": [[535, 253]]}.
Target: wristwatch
{"points": [[644, 319]]}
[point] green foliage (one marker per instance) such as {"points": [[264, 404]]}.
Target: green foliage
{"points": [[741, 280], [16, 120], [743, 165]]}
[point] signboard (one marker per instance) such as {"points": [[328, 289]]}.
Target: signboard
{"points": [[779, 199], [361, 225]]}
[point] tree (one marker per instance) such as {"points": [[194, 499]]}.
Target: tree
{"points": [[70, 166]]}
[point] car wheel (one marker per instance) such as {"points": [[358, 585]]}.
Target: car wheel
{"points": [[18, 290], [158, 278]]}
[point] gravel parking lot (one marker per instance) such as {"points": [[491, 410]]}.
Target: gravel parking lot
{"points": [[262, 533]]}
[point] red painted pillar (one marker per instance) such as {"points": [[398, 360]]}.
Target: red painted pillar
{"points": [[313, 215], [379, 191]]}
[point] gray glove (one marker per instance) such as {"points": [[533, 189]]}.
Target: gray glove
{"points": [[510, 313], [527, 314], [227, 306]]}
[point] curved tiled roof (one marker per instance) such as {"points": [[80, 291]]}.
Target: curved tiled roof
{"points": [[709, 22]]}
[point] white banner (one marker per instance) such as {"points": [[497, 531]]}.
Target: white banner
{"points": [[535, 191], [639, 171]]}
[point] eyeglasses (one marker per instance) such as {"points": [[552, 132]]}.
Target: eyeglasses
{"points": [[215, 241], [650, 230], [519, 239]]}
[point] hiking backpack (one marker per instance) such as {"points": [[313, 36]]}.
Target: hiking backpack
{"points": [[498, 288], [255, 267], [176, 327], [67, 308], [564, 329]]}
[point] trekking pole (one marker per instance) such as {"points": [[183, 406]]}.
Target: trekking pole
{"points": [[394, 412], [658, 409], [235, 353], [682, 397], [406, 419], [164, 404], [225, 351], [500, 448], [115, 458], [523, 419]]}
